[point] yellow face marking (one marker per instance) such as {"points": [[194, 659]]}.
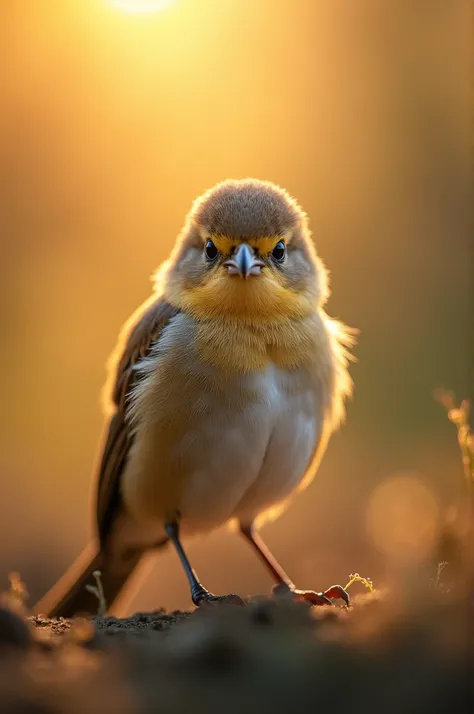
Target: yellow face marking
{"points": [[263, 299], [263, 245]]}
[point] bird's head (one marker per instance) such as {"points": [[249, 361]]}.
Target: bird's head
{"points": [[245, 252]]}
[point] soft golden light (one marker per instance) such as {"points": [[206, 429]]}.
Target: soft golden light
{"points": [[403, 517], [136, 6]]}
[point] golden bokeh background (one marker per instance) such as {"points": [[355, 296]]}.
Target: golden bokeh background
{"points": [[110, 124]]}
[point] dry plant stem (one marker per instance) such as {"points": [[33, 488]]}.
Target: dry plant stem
{"points": [[439, 570], [466, 444], [356, 578], [98, 591], [17, 596], [459, 416]]}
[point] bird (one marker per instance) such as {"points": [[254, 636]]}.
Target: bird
{"points": [[221, 396]]}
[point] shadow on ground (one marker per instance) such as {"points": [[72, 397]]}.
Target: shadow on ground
{"points": [[392, 651]]}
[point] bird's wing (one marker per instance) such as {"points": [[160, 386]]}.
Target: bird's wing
{"points": [[139, 334]]}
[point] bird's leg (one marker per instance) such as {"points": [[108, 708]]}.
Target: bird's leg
{"points": [[199, 594], [284, 584]]}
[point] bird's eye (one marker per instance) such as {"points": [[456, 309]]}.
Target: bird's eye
{"points": [[279, 252], [210, 251]]}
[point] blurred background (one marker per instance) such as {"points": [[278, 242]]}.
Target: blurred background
{"points": [[114, 115]]}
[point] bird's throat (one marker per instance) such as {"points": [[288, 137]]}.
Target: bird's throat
{"points": [[242, 347]]}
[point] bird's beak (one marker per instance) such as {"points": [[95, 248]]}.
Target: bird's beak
{"points": [[244, 262]]}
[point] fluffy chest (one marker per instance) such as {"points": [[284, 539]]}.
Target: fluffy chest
{"points": [[246, 450], [253, 418], [215, 444]]}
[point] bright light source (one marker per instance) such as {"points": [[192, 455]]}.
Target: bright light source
{"points": [[135, 6]]}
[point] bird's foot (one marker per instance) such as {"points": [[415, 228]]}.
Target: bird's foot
{"points": [[335, 592], [201, 596]]}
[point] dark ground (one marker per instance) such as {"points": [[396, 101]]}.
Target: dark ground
{"points": [[407, 651]]}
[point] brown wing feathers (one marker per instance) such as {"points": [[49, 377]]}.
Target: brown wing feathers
{"points": [[139, 340], [69, 594]]}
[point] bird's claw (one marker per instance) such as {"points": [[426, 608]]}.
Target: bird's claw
{"points": [[335, 592], [311, 597], [204, 598]]}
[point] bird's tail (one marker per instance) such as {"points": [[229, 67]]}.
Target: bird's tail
{"points": [[70, 596]]}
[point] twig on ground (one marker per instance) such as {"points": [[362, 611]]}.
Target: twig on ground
{"points": [[98, 591]]}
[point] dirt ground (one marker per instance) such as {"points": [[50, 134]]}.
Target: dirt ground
{"points": [[390, 652]]}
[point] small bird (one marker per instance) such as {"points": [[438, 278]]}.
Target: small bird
{"points": [[222, 393]]}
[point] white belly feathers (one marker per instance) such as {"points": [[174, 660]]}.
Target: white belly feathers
{"points": [[215, 447], [253, 458]]}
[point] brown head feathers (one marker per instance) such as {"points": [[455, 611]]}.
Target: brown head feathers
{"points": [[245, 209]]}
